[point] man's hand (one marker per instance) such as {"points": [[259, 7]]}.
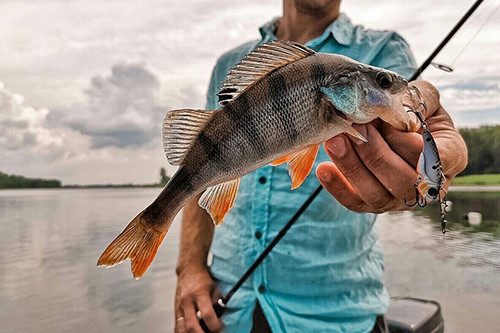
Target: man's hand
{"points": [[378, 175], [195, 291], [195, 288]]}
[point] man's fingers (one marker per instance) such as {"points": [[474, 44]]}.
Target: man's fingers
{"points": [[368, 187], [190, 319], [180, 325], [430, 97], [391, 170], [337, 185], [407, 145], [208, 313]]}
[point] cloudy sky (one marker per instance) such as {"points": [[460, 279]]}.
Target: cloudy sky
{"points": [[84, 84]]}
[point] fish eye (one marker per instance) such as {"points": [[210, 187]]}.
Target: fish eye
{"points": [[384, 80]]}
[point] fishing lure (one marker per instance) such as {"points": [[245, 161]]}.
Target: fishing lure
{"points": [[430, 179]]}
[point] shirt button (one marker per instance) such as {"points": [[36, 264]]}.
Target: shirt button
{"points": [[262, 180], [262, 289], [258, 234]]}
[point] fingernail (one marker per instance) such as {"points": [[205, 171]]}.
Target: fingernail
{"points": [[325, 176], [337, 146], [362, 130]]}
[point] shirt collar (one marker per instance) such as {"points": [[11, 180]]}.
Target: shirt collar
{"points": [[341, 30]]}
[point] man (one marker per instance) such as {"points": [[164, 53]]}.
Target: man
{"points": [[326, 275]]}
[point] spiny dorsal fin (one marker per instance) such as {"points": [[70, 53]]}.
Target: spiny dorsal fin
{"points": [[260, 62], [180, 129], [219, 199]]}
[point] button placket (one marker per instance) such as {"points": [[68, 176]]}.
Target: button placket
{"points": [[261, 220]]}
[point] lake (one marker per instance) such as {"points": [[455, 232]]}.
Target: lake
{"points": [[50, 241]]}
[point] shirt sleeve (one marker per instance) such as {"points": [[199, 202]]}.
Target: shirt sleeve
{"points": [[396, 56]]}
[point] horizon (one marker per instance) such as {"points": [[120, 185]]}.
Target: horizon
{"points": [[84, 88]]}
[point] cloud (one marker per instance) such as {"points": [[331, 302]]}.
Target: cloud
{"points": [[86, 128], [22, 127], [120, 110], [31, 145]]}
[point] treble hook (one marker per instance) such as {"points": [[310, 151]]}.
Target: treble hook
{"points": [[419, 199]]}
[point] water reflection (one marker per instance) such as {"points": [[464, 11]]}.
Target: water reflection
{"points": [[486, 203], [50, 241], [49, 244]]}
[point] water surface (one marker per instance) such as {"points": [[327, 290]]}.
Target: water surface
{"points": [[50, 241]]}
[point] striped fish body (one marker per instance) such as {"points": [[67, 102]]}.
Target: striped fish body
{"points": [[278, 105], [276, 116]]}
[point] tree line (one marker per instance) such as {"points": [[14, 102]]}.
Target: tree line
{"points": [[483, 146], [13, 181]]}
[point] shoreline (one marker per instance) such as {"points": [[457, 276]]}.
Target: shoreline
{"points": [[474, 188]]}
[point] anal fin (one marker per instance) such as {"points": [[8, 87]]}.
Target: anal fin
{"points": [[301, 163], [219, 199]]}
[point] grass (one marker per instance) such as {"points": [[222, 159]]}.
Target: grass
{"points": [[488, 179]]}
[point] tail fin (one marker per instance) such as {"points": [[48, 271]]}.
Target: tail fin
{"points": [[137, 242]]}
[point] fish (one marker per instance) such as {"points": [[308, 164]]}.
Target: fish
{"points": [[276, 106]]}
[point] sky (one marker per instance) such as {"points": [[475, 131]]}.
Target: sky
{"points": [[85, 84]]}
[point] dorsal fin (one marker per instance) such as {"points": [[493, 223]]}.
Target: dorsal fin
{"points": [[260, 62], [180, 130]]}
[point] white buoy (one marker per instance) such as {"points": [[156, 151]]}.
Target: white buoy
{"points": [[449, 206], [474, 218]]}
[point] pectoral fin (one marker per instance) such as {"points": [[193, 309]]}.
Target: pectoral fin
{"points": [[301, 163], [219, 199], [281, 160]]}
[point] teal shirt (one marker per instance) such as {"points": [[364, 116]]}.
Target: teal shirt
{"points": [[326, 275]]}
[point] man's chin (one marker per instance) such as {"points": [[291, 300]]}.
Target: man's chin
{"points": [[314, 7]]}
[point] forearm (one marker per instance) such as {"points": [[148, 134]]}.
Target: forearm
{"points": [[196, 236], [196, 290]]}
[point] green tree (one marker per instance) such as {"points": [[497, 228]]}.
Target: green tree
{"points": [[164, 178], [483, 146], [13, 181]]}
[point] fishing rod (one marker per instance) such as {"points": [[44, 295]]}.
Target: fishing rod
{"points": [[221, 303]]}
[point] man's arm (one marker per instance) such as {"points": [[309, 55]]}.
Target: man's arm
{"points": [[378, 175], [195, 288]]}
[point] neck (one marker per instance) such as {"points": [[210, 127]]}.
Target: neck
{"points": [[304, 24]]}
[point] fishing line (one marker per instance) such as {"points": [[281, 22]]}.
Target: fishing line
{"points": [[472, 38], [470, 23], [445, 41], [221, 303]]}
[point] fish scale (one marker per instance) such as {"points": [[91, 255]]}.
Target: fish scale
{"points": [[277, 106]]}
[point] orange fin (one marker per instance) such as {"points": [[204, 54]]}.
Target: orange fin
{"points": [[281, 160], [137, 243], [219, 199], [300, 165]]}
